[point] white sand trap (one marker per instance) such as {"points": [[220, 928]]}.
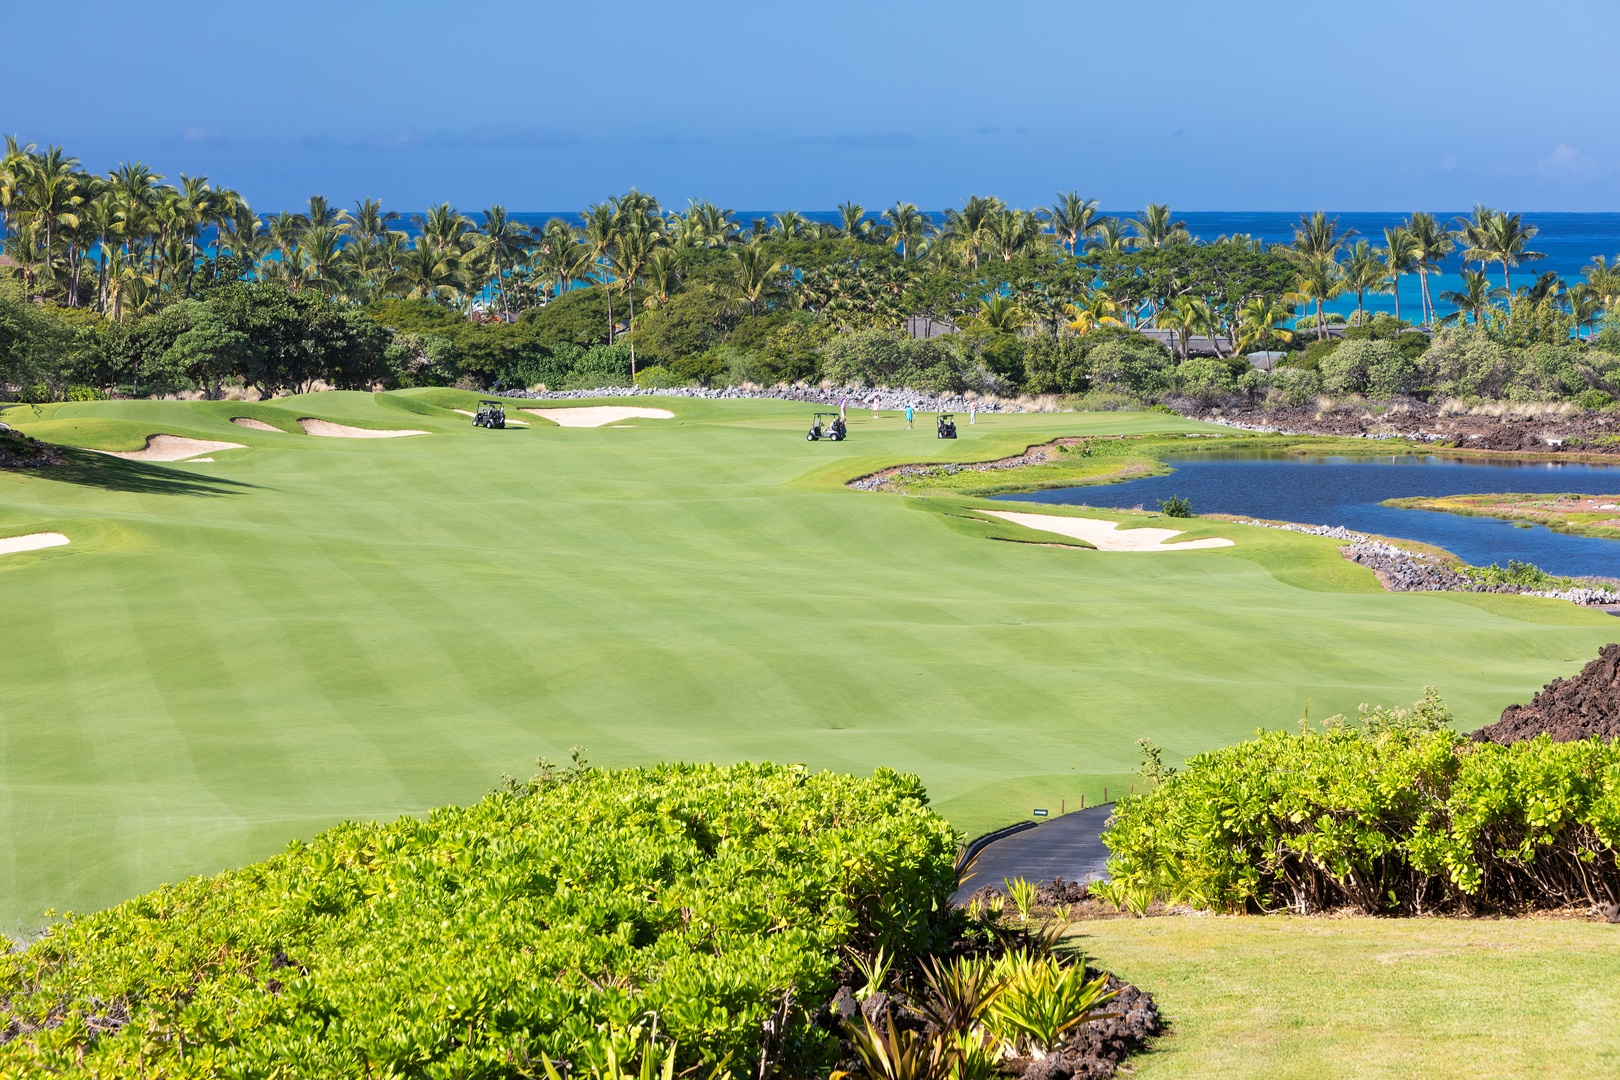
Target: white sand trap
{"points": [[256, 425], [509, 423], [1107, 535], [32, 542], [174, 448], [328, 430], [597, 415]]}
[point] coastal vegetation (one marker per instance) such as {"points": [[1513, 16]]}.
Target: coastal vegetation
{"points": [[1582, 515], [139, 286]]}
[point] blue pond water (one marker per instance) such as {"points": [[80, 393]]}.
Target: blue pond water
{"points": [[1347, 491]]}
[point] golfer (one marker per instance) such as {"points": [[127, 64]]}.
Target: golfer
{"points": [[841, 407], [908, 417], [971, 418], [874, 408]]}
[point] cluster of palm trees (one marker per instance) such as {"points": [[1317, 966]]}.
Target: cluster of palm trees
{"points": [[124, 241], [1420, 245]]}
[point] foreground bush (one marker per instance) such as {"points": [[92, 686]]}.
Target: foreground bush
{"points": [[561, 917], [1394, 813]]}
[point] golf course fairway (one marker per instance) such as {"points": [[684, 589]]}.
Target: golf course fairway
{"points": [[232, 654]]}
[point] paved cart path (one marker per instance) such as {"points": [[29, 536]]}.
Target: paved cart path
{"points": [[1068, 847]]}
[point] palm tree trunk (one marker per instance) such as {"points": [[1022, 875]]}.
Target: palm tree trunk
{"points": [[1320, 329], [1395, 279]]}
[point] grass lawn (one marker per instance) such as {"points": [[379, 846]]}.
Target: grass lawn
{"points": [[233, 654], [1319, 999]]}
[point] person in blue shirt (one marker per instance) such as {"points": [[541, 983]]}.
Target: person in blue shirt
{"points": [[908, 417]]}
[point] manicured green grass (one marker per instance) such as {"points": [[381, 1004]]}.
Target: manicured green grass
{"points": [[229, 655], [1320, 999]]}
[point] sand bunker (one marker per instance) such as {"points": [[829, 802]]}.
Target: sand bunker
{"points": [[328, 430], [509, 423], [256, 425], [1107, 535], [174, 448], [32, 542], [597, 415]]}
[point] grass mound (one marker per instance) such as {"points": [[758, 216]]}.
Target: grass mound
{"points": [[551, 917]]}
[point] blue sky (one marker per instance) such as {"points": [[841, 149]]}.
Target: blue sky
{"points": [[544, 106]]}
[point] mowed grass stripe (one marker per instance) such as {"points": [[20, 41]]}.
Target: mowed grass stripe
{"points": [[360, 628]]}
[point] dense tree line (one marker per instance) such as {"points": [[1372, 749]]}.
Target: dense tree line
{"points": [[125, 283]]}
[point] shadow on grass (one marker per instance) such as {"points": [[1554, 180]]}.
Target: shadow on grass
{"points": [[90, 469]]}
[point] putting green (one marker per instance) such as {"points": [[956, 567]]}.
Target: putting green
{"points": [[232, 654]]}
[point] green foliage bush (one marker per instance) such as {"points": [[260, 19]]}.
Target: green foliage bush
{"points": [[1379, 369], [891, 358], [1205, 380], [552, 917], [1392, 812]]}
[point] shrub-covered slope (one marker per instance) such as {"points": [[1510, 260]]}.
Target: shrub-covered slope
{"points": [[1394, 813], [551, 917]]}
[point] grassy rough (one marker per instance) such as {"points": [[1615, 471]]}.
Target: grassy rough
{"points": [[1290, 998], [231, 655]]}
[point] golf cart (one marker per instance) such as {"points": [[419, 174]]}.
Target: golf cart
{"points": [[827, 425], [947, 426], [491, 414]]}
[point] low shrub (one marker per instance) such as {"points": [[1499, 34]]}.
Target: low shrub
{"points": [[1392, 812], [554, 917]]}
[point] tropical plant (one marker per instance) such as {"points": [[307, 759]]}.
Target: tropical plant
{"points": [[1042, 999], [1431, 243], [1363, 272], [1154, 228], [1400, 255], [1072, 219], [1473, 299], [1318, 278]]}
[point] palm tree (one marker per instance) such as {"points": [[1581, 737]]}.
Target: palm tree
{"points": [[639, 234], [1072, 219], [321, 246], [1549, 286], [1014, 232], [1499, 237], [1584, 305], [1109, 235], [1431, 245], [1474, 298], [1181, 319], [1261, 320], [1363, 273], [1094, 309], [1604, 281], [966, 227], [198, 209], [430, 271], [849, 218], [370, 220], [789, 225], [502, 243], [663, 274], [1318, 234], [1155, 229], [1400, 257], [752, 271], [1318, 278], [907, 225], [601, 230], [999, 313], [105, 221]]}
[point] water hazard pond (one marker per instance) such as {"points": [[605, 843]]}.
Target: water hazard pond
{"points": [[1347, 491]]}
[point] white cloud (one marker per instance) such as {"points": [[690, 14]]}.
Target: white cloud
{"points": [[1566, 161]]}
